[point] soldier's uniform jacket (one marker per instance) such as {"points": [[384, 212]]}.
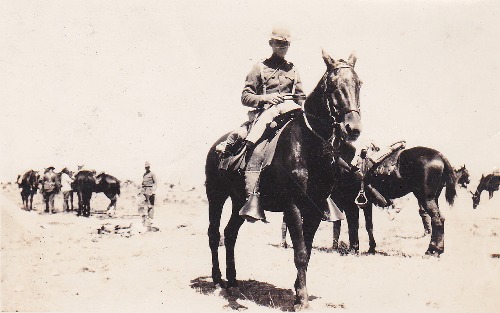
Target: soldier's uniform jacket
{"points": [[270, 76], [149, 183], [49, 182]]}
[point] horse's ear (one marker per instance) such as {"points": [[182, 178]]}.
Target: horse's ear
{"points": [[352, 59], [330, 63]]}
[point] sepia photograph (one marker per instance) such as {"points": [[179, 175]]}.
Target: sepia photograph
{"points": [[258, 156]]}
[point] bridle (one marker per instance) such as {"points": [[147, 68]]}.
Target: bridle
{"points": [[336, 112]]}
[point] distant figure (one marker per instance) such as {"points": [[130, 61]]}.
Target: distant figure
{"points": [[66, 189], [49, 188], [149, 185]]}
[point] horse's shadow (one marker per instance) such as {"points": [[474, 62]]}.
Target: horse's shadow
{"points": [[261, 293]]}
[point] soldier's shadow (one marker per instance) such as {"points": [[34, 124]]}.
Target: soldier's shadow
{"points": [[261, 293]]}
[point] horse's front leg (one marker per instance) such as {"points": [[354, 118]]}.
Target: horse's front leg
{"points": [[437, 222], [25, 202], [368, 213], [293, 220], [31, 202], [230, 236]]}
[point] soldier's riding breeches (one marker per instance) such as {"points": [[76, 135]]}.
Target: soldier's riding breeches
{"points": [[267, 117]]}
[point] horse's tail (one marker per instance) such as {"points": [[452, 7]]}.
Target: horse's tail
{"points": [[450, 180]]}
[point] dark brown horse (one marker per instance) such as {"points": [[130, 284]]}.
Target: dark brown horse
{"points": [[295, 183], [110, 186], [84, 184], [29, 186], [423, 171], [463, 178], [489, 183]]}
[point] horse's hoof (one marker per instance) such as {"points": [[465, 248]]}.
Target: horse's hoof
{"points": [[284, 244], [217, 278], [433, 252], [371, 251], [299, 306], [234, 292]]}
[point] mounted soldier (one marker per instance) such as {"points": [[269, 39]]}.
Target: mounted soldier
{"points": [[273, 87]]}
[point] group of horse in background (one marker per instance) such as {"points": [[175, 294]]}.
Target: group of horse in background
{"points": [[85, 182]]}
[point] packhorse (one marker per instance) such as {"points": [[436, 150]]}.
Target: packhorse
{"points": [[110, 186], [489, 183], [29, 186], [420, 170], [86, 183], [294, 182]]}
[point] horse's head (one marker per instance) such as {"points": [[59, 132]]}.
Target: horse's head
{"points": [[341, 87], [463, 176], [476, 197]]}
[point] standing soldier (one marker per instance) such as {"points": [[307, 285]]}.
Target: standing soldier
{"points": [[149, 185], [49, 189], [66, 189]]}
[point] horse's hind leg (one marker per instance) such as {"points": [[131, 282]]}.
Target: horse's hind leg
{"points": [[215, 206], [437, 222], [230, 236], [368, 210], [112, 205], [426, 220]]}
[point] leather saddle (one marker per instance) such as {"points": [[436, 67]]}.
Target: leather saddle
{"points": [[265, 147], [388, 164]]}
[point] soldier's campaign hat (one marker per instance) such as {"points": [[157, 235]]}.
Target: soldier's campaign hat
{"points": [[147, 164], [280, 33], [50, 167]]}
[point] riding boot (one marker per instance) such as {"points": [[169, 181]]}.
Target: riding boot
{"points": [[333, 213], [252, 211]]}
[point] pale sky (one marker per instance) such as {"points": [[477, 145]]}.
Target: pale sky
{"points": [[113, 84]]}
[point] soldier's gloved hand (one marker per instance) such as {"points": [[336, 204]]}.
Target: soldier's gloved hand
{"points": [[273, 99]]}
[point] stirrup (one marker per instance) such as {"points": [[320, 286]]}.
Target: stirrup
{"points": [[361, 199]]}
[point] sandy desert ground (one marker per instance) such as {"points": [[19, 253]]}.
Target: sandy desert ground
{"points": [[61, 263]]}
